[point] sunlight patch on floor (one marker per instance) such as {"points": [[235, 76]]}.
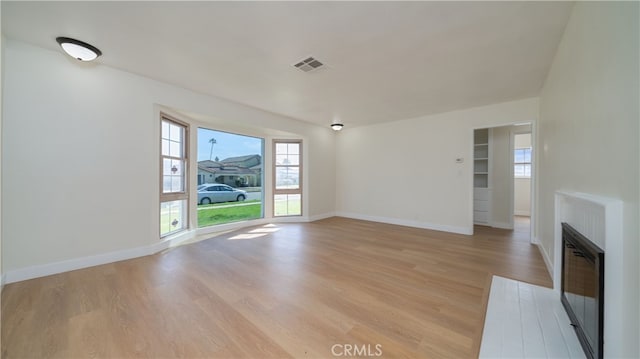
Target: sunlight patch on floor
{"points": [[256, 232]]}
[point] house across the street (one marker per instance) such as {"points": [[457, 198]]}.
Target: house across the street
{"points": [[241, 171]]}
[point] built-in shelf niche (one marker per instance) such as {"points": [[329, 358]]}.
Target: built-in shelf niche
{"points": [[481, 158], [481, 191], [480, 180], [481, 166]]}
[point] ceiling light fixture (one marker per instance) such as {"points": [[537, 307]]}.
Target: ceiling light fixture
{"points": [[78, 50], [337, 126]]}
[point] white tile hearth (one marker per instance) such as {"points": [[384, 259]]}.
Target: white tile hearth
{"points": [[526, 321]]}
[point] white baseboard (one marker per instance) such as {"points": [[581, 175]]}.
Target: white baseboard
{"points": [[303, 219], [545, 257], [43, 270], [287, 219], [534, 240], [501, 225], [408, 223], [318, 217]]}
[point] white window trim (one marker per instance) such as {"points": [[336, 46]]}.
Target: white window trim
{"points": [[276, 191], [169, 197]]}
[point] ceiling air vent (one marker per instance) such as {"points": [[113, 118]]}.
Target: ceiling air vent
{"points": [[309, 64]]}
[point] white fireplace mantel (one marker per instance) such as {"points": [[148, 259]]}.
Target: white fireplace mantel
{"points": [[599, 219]]}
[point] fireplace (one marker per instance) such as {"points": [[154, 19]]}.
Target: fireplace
{"points": [[582, 289]]}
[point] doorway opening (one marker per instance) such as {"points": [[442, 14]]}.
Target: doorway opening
{"points": [[502, 179], [522, 162]]}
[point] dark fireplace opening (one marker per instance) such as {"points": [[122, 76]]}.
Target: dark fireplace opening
{"points": [[583, 289]]}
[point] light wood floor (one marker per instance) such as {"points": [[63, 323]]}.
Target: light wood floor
{"points": [[286, 290], [521, 230]]}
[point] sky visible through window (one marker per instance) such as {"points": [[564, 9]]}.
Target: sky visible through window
{"points": [[227, 145]]}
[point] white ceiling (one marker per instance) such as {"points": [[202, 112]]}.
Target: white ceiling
{"points": [[385, 60]]}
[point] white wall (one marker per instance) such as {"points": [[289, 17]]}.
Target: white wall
{"points": [[522, 196], [81, 155], [522, 186], [1, 86], [589, 132], [522, 140], [405, 171]]}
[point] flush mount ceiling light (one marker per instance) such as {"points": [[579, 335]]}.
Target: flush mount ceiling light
{"points": [[78, 50], [337, 126]]}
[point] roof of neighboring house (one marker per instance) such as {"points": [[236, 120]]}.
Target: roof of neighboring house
{"points": [[230, 166], [211, 170], [240, 158], [228, 170], [209, 164]]}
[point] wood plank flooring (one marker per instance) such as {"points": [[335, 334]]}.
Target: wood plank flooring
{"points": [[285, 290]]}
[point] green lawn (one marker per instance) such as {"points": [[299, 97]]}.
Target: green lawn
{"points": [[213, 215], [287, 208], [221, 213], [225, 204]]}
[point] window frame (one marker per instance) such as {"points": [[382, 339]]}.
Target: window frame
{"points": [[263, 178], [175, 196], [288, 191], [529, 163]]}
